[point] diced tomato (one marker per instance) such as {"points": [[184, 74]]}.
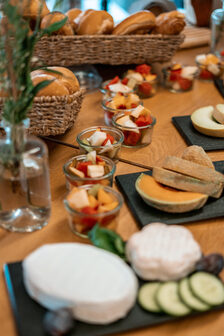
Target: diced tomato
{"points": [[82, 166], [222, 53], [185, 84], [113, 81], [145, 88], [143, 120], [143, 69], [131, 138], [174, 75], [205, 74], [107, 219], [88, 210], [109, 137], [125, 81], [88, 221], [98, 159], [122, 107], [133, 105]]}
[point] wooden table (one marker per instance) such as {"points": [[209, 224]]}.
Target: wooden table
{"points": [[166, 140]]}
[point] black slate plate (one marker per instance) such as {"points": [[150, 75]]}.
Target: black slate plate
{"points": [[29, 314], [193, 137], [145, 214]]}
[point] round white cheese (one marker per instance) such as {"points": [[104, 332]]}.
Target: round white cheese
{"points": [[96, 285], [163, 252], [203, 121]]}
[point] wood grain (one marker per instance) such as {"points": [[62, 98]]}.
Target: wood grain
{"points": [[166, 140]]}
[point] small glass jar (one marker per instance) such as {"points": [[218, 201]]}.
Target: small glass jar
{"points": [[111, 151], [134, 137], [81, 223], [175, 82], [209, 70], [76, 181], [217, 36], [110, 112]]}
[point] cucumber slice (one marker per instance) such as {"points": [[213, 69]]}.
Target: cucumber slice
{"points": [[169, 300], [207, 287], [146, 297], [188, 297]]}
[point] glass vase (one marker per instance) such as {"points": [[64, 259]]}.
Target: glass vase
{"points": [[217, 37], [25, 200]]}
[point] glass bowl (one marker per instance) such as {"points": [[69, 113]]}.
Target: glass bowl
{"points": [[76, 181], [208, 71], [111, 152], [81, 223], [110, 112], [174, 82], [136, 137]]}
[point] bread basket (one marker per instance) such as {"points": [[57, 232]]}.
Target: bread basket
{"points": [[53, 115], [107, 49]]}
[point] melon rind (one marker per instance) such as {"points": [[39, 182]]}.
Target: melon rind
{"points": [[172, 207]]}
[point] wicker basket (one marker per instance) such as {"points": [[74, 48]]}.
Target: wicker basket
{"points": [[107, 49], [53, 115]]}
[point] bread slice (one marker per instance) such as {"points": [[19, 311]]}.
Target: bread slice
{"points": [[197, 154], [192, 169], [187, 183]]}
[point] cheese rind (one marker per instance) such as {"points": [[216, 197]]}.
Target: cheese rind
{"points": [[96, 285], [218, 113]]}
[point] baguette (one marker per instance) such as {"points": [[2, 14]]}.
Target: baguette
{"points": [[192, 169], [187, 183], [197, 154]]}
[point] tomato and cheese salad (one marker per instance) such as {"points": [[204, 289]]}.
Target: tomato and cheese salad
{"points": [[117, 103], [89, 169], [179, 78], [104, 140], [88, 205], [210, 66], [136, 126]]}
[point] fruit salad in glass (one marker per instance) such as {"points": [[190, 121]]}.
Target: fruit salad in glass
{"points": [[210, 66], [89, 169], [102, 139], [118, 103], [115, 85], [136, 126], [88, 205], [179, 78]]}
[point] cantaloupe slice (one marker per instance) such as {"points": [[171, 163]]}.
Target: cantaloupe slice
{"points": [[168, 199], [203, 121]]}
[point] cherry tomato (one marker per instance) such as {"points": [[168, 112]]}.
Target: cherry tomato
{"points": [[131, 138], [185, 84], [143, 69], [82, 166], [145, 88], [125, 81], [143, 120], [109, 137]]}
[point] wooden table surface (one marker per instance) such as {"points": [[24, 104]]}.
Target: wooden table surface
{"points": [[166, 140]]}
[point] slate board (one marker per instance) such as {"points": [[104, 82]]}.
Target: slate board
{"points": [[192, 137], [29, 314], [145, 214]]}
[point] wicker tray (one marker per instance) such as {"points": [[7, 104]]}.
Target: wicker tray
{"points": [[107, 49], [53, 115]]}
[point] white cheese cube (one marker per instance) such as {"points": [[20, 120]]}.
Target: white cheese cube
{"points": [[136, 76], [107, 147], [97, 138], [119, 87], [76, 172], [137, 111], [78, 199], [122, 120], [95, 170], [130, 123], [188, 72], [201, 59], [91, 156], [214, 69]]}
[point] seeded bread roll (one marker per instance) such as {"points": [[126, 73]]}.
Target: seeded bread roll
{"points": [[66, 76], [139, 23], [72, 14], [55, 88], [53, 17], [95, 23]]}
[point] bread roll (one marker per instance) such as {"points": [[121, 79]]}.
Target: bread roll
{"points": [[53, 17], [66, 77], [31, 9], [95, 23], [72, 14], [138, 23], [55, 88], [170, 23], [77, 20]]}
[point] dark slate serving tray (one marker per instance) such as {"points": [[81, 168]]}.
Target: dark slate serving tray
{"points": [[192, 137], [145, 214], [29, 314]]}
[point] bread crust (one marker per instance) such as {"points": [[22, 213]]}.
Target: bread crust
{"points": [[31, 9], [53, 17], [140, 22], [170, 23], [56, 88], [72, 14], [95, 23]]}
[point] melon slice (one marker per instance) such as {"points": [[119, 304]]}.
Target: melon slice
{"points": [[203, 121], [168, 199]]}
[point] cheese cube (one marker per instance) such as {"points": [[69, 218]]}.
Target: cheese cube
{"points": [[91, 156], [97, 138], [188, 72], [107, 147], [76, 172], [137, 111], [118, 87], [95, 170], [214, 69], [136, 76], [78, 199], [130, 123], [122, 120]]}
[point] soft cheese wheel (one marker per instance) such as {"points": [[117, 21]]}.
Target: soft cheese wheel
{"points": [[97, 285], [203, 121], [163, 252]]}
